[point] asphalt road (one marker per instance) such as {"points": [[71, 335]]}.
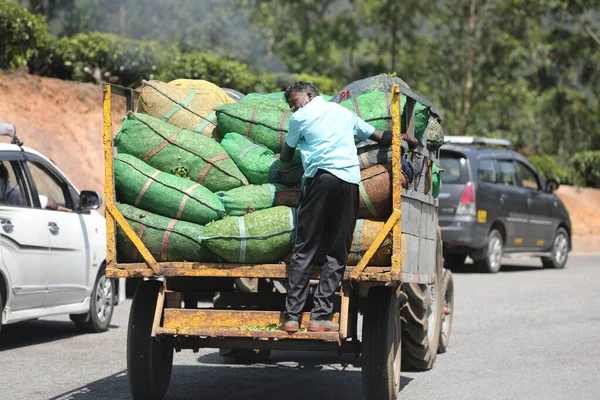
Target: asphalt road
{"points": [[524, 333]]}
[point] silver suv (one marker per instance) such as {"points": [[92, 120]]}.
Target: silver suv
{"points": [[493, 201]]}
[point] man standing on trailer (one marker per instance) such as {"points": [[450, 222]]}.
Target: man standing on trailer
{"points": [[329, 202]]}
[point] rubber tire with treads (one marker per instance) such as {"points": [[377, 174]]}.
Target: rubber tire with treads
{"points": [[149, 361], [448, 301], [91, 322], [552, 262], [1, 309], [486, 262], [381, 345], [420, 340]]}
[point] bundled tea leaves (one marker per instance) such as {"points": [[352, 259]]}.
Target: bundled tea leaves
{"points": [[179, 152], [249, 198], [377, 83], [260, 237], [255, 161], [375, 192], [189, 109], [141, 185], [263, 122], [374, 108], [365, 233], [166, 239], [203, 87]]}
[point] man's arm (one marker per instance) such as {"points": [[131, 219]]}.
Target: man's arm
{"points": [[384, 138], [287, 153]]}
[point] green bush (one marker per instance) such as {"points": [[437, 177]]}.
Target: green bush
{"points": [[20, 33], [549, 168], [586, 165], [220, 71]]}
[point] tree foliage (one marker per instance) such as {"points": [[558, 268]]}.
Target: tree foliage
{"points": [[524, 70]]}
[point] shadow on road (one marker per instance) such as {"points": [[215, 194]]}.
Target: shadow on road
{"points": [[506, 267], [288, 375], [28, 333]]}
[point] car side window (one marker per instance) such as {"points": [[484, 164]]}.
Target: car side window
{"points": [[508, 172], [49, 187], [12, 190], [529, 178], [486, 170]]}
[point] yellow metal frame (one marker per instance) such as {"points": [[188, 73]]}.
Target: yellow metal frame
{"points": [[151, 267]]}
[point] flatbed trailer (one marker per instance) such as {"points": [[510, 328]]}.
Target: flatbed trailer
{"points": [[162, 321]]}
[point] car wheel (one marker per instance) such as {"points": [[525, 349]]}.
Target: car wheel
{"points": [[559, 252], [1, 309], [454, 260], [101, 307], [491, 260]]}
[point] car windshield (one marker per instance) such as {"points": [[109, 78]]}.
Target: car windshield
{"points": [[454, 166]]}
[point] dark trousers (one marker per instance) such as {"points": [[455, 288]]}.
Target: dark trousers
{"points": [[328, 204]]}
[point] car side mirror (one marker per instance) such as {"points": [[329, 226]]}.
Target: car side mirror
{"points": [[89, 200], [551, 185]]}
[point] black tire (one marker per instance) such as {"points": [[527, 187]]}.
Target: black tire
{"points": [[102, 305], [422, 319], [382, 345], [1, 309], [454, 260], [559, 251], [245, 356], [447, 311], [490, 260], [149, 360]]}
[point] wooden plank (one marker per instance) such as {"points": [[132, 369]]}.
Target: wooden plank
{"points": [[160, 303], [396, 180], [111, 258], [196, 269], [227, 319], [223, 333], [356, 273], [344, 310]]}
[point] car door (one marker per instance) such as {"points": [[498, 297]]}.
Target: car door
{"points": [[24, 239], [514, 198], [67, 278], [541, 225], [490, 207]]}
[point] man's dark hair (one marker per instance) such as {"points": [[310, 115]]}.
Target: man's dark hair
{"points": [[300, 87]]}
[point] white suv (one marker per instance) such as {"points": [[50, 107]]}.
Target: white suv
{"points": [[52, 243]]}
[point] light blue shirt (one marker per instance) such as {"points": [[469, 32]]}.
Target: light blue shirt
{"points": [[325, 132]]}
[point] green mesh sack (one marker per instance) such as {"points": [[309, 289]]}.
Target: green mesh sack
{"points": [[255, 161], [143, 186], [166, 239], [179, 152], [264, 236], [434, 135], [377, 83], [263, 122], [374, 108], [246, 199]]}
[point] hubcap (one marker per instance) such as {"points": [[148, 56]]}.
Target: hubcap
{"points": [[495, 252], [561, 248], [104, 299]]}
